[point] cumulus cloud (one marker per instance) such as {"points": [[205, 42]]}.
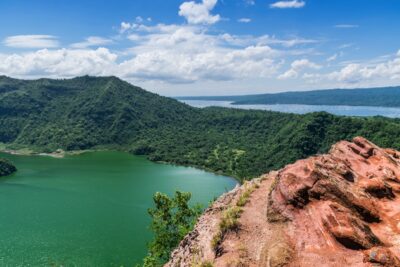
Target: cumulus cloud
{"points": [[199, 13], [92, 41], [244, 20], [31, 41], [58, 63], [168, 53], [177, 54], [298, 66], [358, 72], [288, 4], [382, 71]]}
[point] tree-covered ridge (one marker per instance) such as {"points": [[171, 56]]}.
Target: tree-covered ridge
{"points": [[89, 112], [6, 167], [378, 97]]}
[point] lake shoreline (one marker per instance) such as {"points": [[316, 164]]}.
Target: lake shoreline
{"points": [[59, 153]]}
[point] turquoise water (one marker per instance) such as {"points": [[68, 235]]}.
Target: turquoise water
{"points": [[360, 111], [89, 209]]}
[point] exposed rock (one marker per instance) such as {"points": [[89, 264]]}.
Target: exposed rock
{"points": [[338, 209], [6, 167]]}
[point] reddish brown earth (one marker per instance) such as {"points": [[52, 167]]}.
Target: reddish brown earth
{"points": [[338, 209]]}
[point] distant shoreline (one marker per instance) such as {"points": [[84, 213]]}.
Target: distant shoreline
{"points": [[59, 153]]}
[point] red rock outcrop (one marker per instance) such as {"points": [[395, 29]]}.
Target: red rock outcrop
{"points": [[338, 209]]}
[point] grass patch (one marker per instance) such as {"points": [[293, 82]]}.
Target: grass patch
{"points": [[245, 196], [229, 222], [206, 264]]}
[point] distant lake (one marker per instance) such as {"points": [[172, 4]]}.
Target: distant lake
{"points": [[302, 109], [89, 209]]}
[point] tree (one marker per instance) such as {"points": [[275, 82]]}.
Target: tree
{"points": [[172, 219]]}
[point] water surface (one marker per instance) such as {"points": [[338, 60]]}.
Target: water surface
{"points": [[90, 209], [303, 109]]}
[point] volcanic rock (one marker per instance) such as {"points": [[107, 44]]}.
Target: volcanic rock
{"points": [[338, 209]]}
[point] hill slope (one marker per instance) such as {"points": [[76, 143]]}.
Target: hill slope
{"points": [[332, 210], [105, 112], [80, 113], [383, 97]]}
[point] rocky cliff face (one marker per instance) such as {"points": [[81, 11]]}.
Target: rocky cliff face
{"points": [[338, 209]]}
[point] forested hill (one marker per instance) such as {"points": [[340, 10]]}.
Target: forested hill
{"points": [[106, 112], [384, 97]]}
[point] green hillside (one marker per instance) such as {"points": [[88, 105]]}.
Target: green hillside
{"points": [[106, 112]]}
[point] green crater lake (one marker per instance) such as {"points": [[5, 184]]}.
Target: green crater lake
{"points": [[88, 209]]}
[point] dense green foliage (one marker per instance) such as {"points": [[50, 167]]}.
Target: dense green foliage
{"points": [[6, 167], [172, 219], [382, 97], [88, 112]]}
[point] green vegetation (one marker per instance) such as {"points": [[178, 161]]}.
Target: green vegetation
{"points": [[105, 112], [206, 264], [378, 97], [245, 196], [6, 167], [229, 222], [172, 219]]}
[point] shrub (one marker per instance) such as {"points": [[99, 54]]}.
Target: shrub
{"points": [[172, 219]]}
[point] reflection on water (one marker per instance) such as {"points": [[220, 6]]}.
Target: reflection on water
{"points": [[302, 109]]}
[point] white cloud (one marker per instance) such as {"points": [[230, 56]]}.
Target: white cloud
{"points": [[290, 74], [382, 71], [332, 58], [346, 26], [298, 66], [177, 54], [92, 41], [139, 19], [58, 63], [288, 4], [31, 41], [244, 20], [266, 40], [124, 26], [166, 53], [163, 53], [303, 64], [199, 13], [359, 72]]}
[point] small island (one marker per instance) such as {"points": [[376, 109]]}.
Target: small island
{"points": [[6, 167]]}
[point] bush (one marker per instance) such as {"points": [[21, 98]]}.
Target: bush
{"points": [[172, 219]]}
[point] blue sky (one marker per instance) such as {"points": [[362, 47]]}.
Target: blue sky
{"points": [[205, 47]]}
